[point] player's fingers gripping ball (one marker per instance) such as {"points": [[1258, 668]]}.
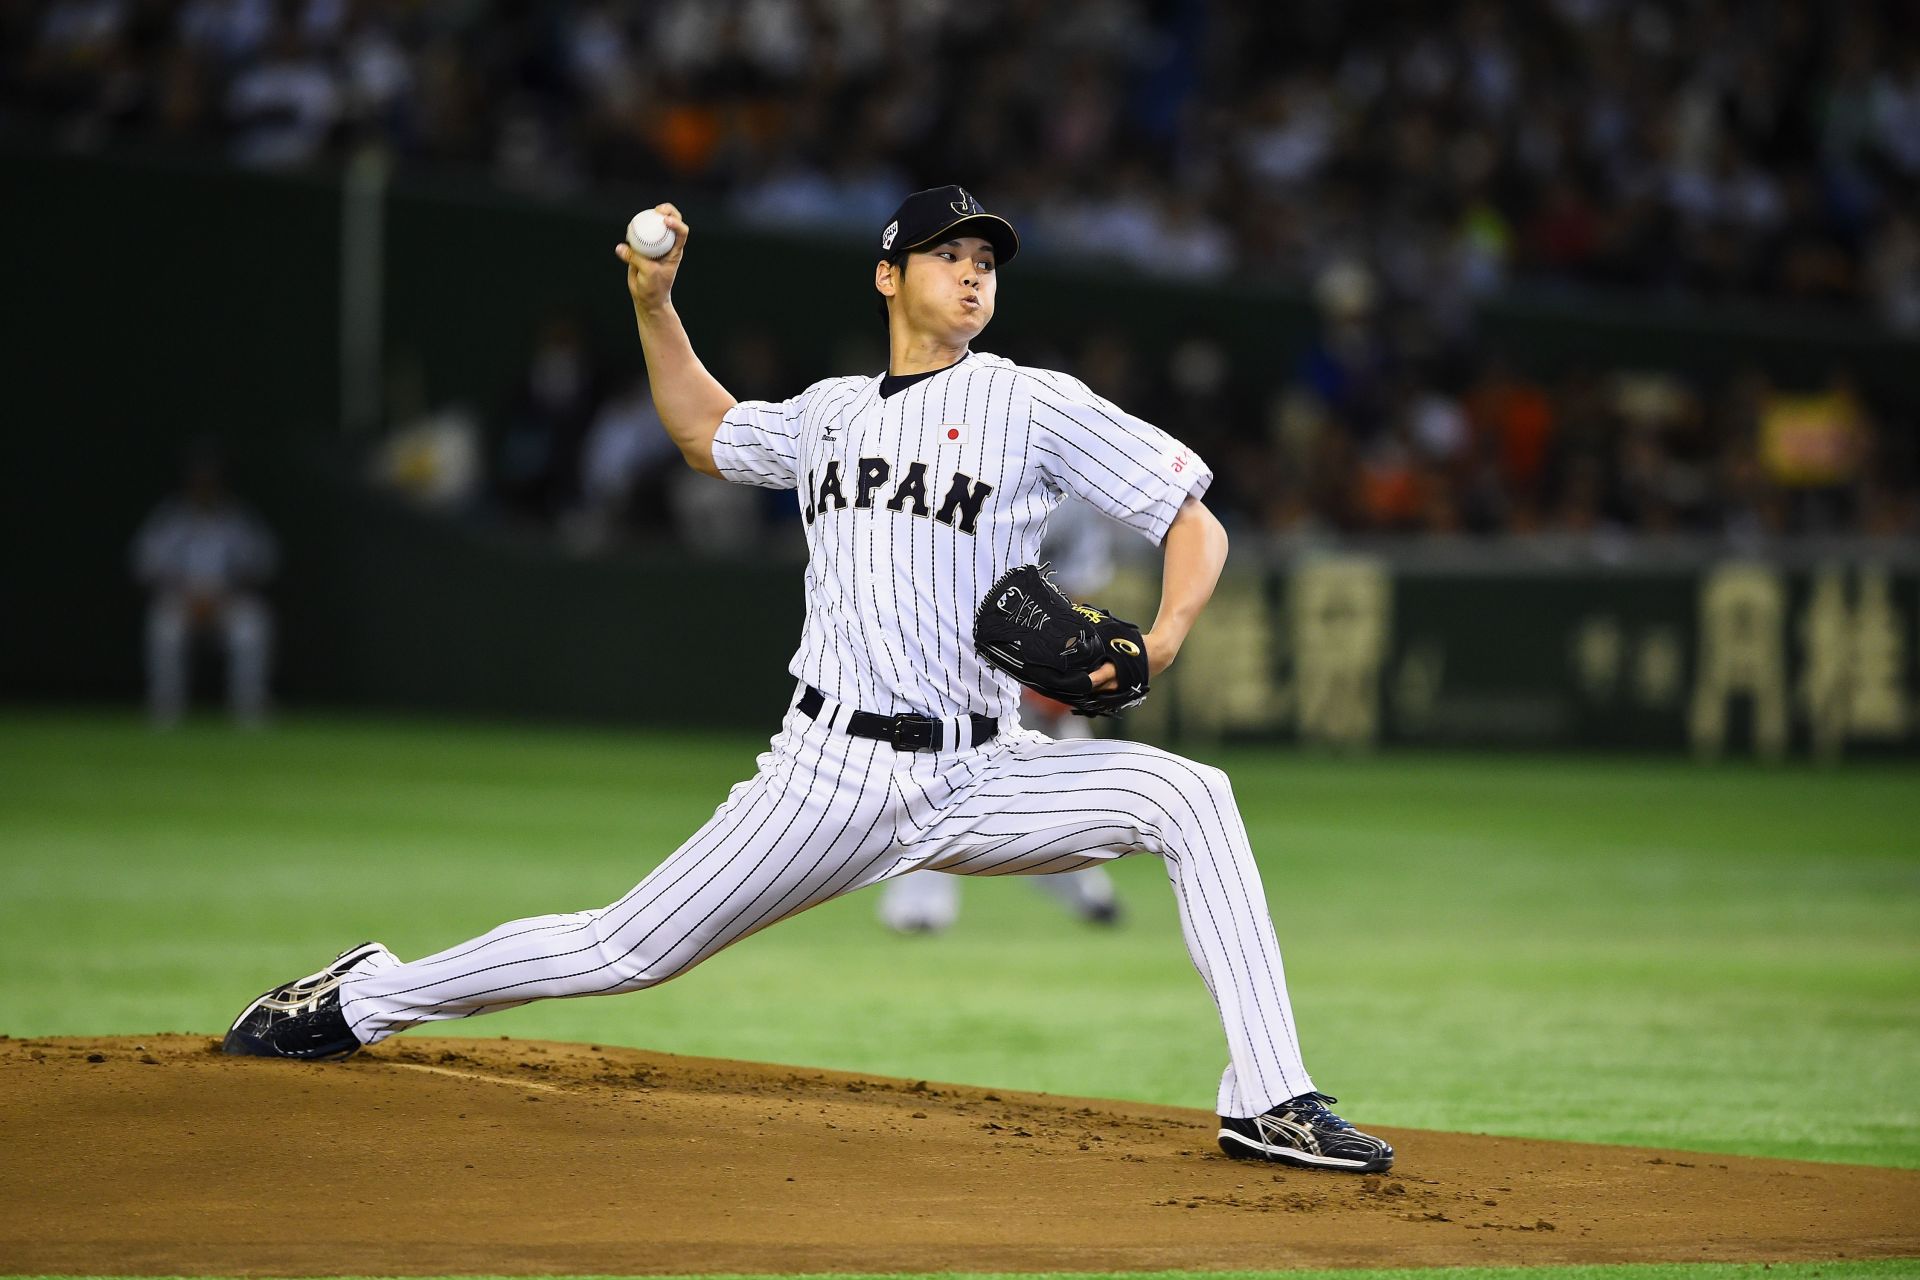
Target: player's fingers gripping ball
{"points": [[649, 235], [1029, 628]]}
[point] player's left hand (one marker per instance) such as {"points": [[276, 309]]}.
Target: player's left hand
{"points": [[1159, 658], [1029, 628]]}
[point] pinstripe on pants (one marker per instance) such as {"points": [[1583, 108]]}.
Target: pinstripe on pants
{"points": [[829, 813]]}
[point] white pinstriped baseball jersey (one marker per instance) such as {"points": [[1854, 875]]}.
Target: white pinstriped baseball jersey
{"points": [[914, 502], [917, 501]]}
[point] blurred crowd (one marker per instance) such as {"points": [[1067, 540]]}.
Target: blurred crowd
{"points": [[1732, 148], [1399, 158], [1350, 437]]}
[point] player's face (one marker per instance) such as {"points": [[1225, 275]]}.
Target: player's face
{"points": [[948, 289]]}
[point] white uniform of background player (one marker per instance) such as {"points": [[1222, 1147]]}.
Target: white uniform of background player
{"points": [[204, 558], [918, 490], [1079, 546]]}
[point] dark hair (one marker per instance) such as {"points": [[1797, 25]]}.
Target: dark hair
{"points": [[898, 261]]}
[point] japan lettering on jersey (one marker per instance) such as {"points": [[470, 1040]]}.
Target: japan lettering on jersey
{"points": [[915, 502]]}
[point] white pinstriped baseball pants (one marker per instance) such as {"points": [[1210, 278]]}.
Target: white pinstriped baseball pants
{"points": [[829, 813]]}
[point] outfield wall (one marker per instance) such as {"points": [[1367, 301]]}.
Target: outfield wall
{"points": [[1726, 657], [1721, 657]]}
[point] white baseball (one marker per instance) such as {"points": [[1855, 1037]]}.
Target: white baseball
{"points": [[648, 234]]}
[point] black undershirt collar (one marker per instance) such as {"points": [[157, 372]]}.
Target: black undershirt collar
{"points": [[892, 382]]}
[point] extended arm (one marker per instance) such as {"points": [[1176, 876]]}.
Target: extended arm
{"points": [[691, 401], [1193, 554]]}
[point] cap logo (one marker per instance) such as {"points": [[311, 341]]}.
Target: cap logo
{"points": [[886, 237], [966, 204]]}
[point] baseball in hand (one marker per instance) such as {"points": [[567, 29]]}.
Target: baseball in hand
{"points": [[648, 235]]}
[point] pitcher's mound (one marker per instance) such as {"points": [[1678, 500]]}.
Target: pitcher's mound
{"points": [[158, 1155]]}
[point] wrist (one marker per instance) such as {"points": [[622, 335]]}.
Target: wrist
{"points": [[1162, 648], [650, 313]]}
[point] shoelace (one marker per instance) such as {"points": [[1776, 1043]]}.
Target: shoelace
{"points": [[303, 996], [1312, 1107]]}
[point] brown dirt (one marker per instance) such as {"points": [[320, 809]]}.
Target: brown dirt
{"points": [[159, 1156]]}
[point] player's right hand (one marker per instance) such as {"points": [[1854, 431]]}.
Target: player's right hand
{"points": [[650, 280]]}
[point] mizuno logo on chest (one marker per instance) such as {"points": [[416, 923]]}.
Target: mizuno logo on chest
{"points": [[959, 508]]}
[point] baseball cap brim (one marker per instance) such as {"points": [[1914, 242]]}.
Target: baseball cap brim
{"points": [[991, 227]]}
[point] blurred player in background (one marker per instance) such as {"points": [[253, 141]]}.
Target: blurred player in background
{"points": [[1080, 545], [205, 558]]}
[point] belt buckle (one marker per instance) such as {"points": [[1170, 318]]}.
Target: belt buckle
{"points": [[914, 733]]}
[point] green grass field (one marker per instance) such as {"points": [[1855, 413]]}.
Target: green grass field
{"points": [[1639, 951]]}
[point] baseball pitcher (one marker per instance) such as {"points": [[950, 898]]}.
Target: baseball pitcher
{"points": [[925, 492]]}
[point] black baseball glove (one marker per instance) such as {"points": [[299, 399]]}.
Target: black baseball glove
{"points": [[1029, 629]]}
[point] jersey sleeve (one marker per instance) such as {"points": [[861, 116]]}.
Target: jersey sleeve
{"points": [[1127, 468], [758, 442]]}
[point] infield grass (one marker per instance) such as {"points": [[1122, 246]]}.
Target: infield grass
{"points": [[1638, 951]]}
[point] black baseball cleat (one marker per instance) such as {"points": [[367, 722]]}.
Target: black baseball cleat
{"points": [[1301, 1131], [302, 1019]]}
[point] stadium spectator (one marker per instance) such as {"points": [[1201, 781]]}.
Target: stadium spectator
{"points": [[284, 107], [538, 468], [622, 469], [204, 559]]}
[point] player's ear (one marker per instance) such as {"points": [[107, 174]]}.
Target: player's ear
{"points": [[884, 278]]}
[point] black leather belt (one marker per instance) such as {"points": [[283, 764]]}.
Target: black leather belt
{"points": [[905, 732]]}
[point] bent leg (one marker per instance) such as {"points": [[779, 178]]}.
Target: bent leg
{"points": [[815, 822], [1042, 806]]}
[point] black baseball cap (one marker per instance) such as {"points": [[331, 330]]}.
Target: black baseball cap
{"points": [[942, 213]]}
